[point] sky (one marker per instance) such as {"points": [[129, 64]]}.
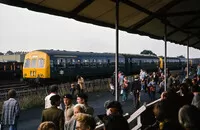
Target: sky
{"points": [[25, 30]]}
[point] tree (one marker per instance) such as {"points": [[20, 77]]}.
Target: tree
{"points": [[181, 56], [9, 53], [1, 53], [148, 52]]}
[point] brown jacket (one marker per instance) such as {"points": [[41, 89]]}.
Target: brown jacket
{"points": [[55, 115]]}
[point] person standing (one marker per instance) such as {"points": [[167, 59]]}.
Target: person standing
{"points": [[54, 114], [198, 70], [10, 111], [85, 122], [80, 84], [125, 89], [53, 91], [136, 88], [68, 111], [82, 99]]}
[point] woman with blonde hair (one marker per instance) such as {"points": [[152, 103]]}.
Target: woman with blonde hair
{"points": [[85, 122], [47, 125]]}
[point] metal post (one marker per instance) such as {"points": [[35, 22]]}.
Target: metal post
{"points": [[165, 58], [188, 59], [117, 50]]}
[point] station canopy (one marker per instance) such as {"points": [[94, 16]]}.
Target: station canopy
{"points": [[144, 17]]}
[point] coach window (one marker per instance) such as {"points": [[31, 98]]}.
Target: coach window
{"points": [[41, 63], [33, 63], [85, 62], [92, 63], [121, 62], [104, 62], [112, 62], [78, 63], [70, 63], [27, 63], [61, 62], [99, 62]]}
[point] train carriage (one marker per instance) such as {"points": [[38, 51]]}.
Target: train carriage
{"points": [[136, 62], [66, 65], [173, 63], [10, 70]]}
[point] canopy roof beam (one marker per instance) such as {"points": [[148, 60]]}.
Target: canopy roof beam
{"points": [[195, 43], [164, 20], [82, 6], [191, 36], [185, 24], [183, 13], [150, 17]]}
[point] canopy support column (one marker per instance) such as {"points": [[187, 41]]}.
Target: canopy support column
{"points": [[165, 58], [117, 50], [188, 59]]}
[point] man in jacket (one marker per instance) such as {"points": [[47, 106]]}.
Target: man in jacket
{"points": [[54, 114], [53, 91], [10, 111]]}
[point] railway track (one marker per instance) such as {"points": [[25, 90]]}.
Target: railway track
{"points": [[20, 87]]}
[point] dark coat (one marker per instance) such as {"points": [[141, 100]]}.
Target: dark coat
{"points": [[55, 115], [136, 85]]}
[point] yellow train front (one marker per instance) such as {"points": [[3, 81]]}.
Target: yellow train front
{"points": [[36, 66]]}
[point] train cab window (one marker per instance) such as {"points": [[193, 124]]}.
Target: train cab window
{"points": [[33, 63], [61, 62], [27, 63], [41, 63]]}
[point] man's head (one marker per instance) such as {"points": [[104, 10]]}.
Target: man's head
{"points": [[53, 88], [82, 98], [114, 107], [12, 93], [55, 100], [79, 108], [67, 99]]}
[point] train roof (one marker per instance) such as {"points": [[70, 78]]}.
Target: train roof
{"points": [[139, 55], [169, 57], [64, 52]]}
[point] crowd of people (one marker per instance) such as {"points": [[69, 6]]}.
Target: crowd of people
{"points": [[61, 112], [178, 109]]}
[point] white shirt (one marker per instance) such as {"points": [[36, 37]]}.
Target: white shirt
{"points": [[47, 100]]}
